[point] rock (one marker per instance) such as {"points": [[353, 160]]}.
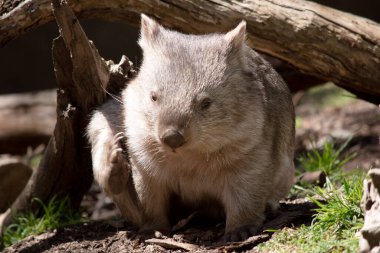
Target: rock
{"points": [[314, 177], [14, 175], [369, 240]]}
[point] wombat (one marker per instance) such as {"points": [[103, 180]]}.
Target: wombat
{"points": [[207, 122]]}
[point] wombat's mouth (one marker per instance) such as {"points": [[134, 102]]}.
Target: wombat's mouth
{"points": [[185, 147], [175, 151]]}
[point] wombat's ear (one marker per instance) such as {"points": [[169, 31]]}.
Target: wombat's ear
{"points": [[236, 37], [149, 30]]}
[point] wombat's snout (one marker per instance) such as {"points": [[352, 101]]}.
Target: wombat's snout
{"points": [[172, 138]]}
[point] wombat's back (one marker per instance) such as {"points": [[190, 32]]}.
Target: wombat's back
{"points": [[279, 128]]}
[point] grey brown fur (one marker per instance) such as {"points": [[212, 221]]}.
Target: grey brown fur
{"points": [[206, 120]]}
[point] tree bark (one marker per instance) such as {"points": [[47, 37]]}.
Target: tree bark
{"points": [[27, 120], [369, 236], [83, 78], [317, 40]]}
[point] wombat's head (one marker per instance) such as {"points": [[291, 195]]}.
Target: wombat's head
{"points": [[192, 89]]}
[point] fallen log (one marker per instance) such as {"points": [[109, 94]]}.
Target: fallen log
{"points": [[317, 40], [26, 120], [14, 175]]}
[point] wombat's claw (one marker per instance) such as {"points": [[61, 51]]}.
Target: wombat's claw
{"points": [[116, 150], [240, 234], [118, 137], [119, 169]]}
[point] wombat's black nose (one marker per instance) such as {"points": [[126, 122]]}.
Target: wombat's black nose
{"points": [[173, 138]]}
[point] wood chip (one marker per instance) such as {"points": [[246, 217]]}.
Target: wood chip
{"points": [[172, 244]]}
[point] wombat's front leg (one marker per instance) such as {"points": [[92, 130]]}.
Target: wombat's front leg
{"points": [[155, 203], [116, 171], [244, 212], [110, 167]]}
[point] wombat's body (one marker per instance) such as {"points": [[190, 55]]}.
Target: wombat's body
{"points": [[207, 120]]}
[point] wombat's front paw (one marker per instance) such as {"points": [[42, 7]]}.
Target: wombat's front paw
{"points": [[119, 168], [240, 233]]}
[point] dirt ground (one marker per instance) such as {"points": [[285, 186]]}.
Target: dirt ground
{"points": [[115, 236], [357, 120]]}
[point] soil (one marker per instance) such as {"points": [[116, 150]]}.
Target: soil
{"points": [[115, 236], [357, 120]]}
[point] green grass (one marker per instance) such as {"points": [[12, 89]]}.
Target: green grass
{"points": [[305, 239], [55, 214], [338, 216], [342, 209], [329, 160]]}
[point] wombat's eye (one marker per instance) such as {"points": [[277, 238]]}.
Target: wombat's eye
{"points": [[153, 96], [205, 103]]}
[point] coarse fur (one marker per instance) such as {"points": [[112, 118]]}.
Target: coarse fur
{"points": [[235, 115]]}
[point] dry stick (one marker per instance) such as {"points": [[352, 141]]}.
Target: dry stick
{"points": [[83, 77], [169, 243]]}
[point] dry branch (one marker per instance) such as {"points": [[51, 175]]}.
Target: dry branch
{"points": [[83, 77], [317, 40]]}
